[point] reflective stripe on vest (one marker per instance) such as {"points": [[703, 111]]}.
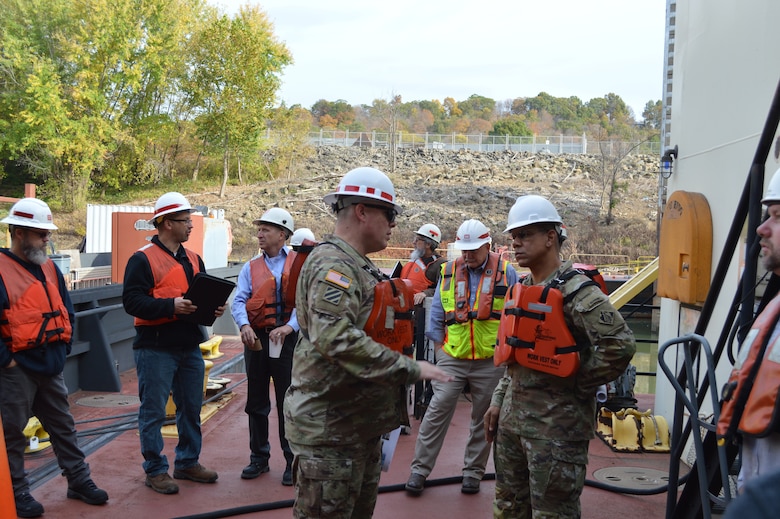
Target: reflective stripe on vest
{"points": [[391, 319], [750, 399], [262, 309], [23, 325], [471, 332], [170, 279]]}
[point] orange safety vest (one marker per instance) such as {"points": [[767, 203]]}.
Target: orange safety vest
{"points": [[492, 278], [262, 309], [295, 271], [750, 397], [23, 325], [471, 331], [170, 280], [391, 319], [593, 273], [533, 330], [415, 271]]}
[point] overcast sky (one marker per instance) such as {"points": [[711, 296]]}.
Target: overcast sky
{"points": [[361, 50]]}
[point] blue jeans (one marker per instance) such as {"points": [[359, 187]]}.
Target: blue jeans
{"points": [[160, 372]]}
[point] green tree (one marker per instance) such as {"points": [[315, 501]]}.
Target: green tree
{"points": [[234, 67], [291, 126], [652, 114], [512, 125], [74, 75]]}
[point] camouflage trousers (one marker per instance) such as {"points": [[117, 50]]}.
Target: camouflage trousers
{"points": [[336, 481], [539, 479]]}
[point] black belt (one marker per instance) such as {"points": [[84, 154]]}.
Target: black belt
{"points": [[267, 330]]}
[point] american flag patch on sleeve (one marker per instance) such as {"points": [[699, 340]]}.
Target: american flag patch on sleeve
{"points": [[338, 279]]}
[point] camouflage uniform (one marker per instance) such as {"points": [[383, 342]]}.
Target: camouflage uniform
{"points": [[546, 422], [346, 390]]}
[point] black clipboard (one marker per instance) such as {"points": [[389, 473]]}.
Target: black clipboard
{"points": [[397, 270], [208, 293]]}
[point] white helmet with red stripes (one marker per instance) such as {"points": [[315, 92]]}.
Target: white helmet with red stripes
{"points": [[472, 234], [30, 212], [365, 183]]}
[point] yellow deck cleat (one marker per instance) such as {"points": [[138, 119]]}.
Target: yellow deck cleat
{"points": [[37, 437], [210, 348]]}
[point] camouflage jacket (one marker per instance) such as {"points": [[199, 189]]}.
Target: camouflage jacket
{"points": [[540, 405], [345, 387]]}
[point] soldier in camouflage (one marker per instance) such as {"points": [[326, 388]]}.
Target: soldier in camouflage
{"points": [[541, 424], [346, 389]]}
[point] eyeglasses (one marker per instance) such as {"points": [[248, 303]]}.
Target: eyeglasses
{"points": [[181, 220], [390, 212], [41, 234]]}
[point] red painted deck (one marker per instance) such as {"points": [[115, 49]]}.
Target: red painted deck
{"points": [[116, 467]]}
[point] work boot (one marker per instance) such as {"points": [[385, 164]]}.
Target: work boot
{"points": [[197, 473], [287, 479], [254, 469], [88, 492], [415, 484], [27, 506], [470, 485], [162, 483]]}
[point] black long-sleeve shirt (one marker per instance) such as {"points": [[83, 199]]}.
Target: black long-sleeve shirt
{"points": [[138, 302]]}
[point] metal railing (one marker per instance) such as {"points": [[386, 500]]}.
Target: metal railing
{"points": [[554, 144]]}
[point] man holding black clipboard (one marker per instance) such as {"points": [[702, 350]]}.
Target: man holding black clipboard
{"points": [[166, 346]]}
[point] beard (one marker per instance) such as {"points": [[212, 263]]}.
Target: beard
{"points": [[36, 255], [415, 255], [771, 261]]}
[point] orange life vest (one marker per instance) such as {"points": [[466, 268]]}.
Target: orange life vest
{"points": [[391, 319], [263, 308], [170, 280], [415, 271], [533, 330], [26, 324], [301, 253], [593, 273], [492, 280], [750, 399]]}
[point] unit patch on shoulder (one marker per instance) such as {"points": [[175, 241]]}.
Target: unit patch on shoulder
{"points": [[338, 279], [332, 295], [607, 318]]}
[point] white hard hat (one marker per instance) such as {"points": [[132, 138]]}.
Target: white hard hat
{"points": [[365, 182], [472, 234], [277, 216], [168, 203], [772, 194], [30, 212], [531, 209], [431, 232], [304, 233]]}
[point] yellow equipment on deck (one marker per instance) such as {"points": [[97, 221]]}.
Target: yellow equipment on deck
{"points": [[629, 430], [37, 437]]}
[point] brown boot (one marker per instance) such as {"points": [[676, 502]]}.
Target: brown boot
{"points": [[162, 483], [197, 473]]}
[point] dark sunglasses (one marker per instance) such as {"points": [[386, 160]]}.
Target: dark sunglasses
{"points": [[390, 212], [42, 234]]}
